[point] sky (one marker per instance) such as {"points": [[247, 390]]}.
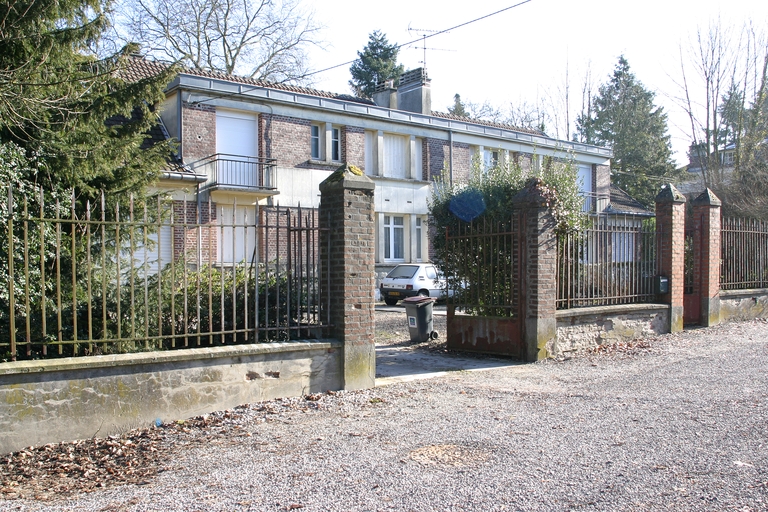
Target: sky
{"points": [[524, 54]]}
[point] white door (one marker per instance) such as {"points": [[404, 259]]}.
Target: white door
{"points": [[237, 136]]}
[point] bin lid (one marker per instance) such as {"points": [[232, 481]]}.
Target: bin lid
{"points": [[419, 299]]}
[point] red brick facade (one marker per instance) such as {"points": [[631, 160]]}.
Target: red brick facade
{"points": [[437, 157], [670, 233], [187, 232], [199, 131], [353, 146]]}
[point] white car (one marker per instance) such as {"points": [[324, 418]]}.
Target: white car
{"points": [[411, 279]]}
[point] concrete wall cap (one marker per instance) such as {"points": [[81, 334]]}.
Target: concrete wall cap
{"points": [[349, 177], [669, 194], [707, 198]]}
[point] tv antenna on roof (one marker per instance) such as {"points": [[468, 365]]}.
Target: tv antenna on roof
{"points": [[423, 32]]}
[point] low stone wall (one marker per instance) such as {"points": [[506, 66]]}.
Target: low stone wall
{"points": [[581, 329], [75, 398], [736, 305]]}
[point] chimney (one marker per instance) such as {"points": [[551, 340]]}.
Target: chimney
{"points": [[413, 93], [385, 94]]}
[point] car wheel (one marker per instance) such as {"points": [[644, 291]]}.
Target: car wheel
{"points": [[390, 302], [423, 293]]}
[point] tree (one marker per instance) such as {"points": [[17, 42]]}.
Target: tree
{"points": [[375, 64], [458, 108], [79, 121], [724, 87], [264, 39], [623, 116]]}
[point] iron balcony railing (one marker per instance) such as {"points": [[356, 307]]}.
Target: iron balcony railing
{"points": [[237, 171], [593, 202]]}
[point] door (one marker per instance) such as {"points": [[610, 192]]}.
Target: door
{"points": [[237, 136]]}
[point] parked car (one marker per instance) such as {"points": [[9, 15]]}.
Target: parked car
{"points": [[411, 279]]}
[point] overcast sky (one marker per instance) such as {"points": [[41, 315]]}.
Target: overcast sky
{"points": [[521, 54]]}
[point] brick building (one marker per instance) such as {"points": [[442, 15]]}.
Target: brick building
{"points": [[243, 142]]}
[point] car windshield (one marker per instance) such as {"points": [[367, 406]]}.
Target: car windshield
{"points": [[403, 271]]}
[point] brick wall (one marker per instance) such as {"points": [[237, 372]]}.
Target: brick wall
{"points": [[670, 233], [348, 245], [199, 131], [188, 230], [353, 146], [437, 156], [287, 139]]}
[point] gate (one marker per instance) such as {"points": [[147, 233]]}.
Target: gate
{"points": [[692, 282], [485, 286]]}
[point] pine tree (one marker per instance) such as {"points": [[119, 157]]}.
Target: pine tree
{"points": [[458, 107], [623, 117], [80, 119], [375, 64]]}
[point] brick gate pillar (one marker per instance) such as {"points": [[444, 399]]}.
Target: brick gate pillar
{"points": [[539, 270], [347, 240], [670, 247], [706, 218]]}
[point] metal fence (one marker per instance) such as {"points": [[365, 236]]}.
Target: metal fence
{"points": [[611, 260], [744, 258], [153, 275], [484, 275]]}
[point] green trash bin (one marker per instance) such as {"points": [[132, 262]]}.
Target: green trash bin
{"points": [[418, 310]]}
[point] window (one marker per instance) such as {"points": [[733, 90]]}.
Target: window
{"points": [[335, 144], [396, 151], [418, 238], [393, 238], [315, 142], [490, 158], [728, 158]]}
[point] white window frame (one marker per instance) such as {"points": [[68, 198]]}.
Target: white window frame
{"points": [[315, 142], [335, 144], [418, 236], [394, 232]]}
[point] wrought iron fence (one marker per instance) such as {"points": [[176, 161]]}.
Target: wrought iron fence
{"points": [[744, 259], [611, 260], [153, 275], [484, 273]]}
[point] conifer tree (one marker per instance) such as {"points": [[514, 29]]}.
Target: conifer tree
{"points": [[376, 63], [80, 119], [623, 117]]}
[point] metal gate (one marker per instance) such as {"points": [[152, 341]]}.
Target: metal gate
{"points": [[485, 287], [692, 282]]}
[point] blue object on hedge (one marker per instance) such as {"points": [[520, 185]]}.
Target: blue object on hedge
{"points": [[467, 205]]}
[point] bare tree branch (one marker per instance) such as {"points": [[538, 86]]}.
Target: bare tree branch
{"points": [[264, 39]]}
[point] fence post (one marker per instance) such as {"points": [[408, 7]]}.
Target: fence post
{"points": [[670, 234], [539, 270], [347, 277], [706, 214]]}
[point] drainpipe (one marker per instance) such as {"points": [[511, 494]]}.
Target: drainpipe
{"points": [[179, 119], [450, 157]]}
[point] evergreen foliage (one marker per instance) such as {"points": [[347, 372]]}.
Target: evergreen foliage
{"points": [[375, 64], [79, 121], [488, 197], [458, 108], [623, 117]]}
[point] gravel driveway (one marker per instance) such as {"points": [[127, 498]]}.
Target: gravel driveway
{"points": [[678, 422]]}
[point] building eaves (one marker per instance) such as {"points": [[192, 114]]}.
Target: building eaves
{"points": [[623, 203], [220, 84], [502, 126]]}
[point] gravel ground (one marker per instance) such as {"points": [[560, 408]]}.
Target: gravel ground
{"points": [[678, 422]]}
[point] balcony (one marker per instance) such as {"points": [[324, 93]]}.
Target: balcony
{"points": [[594, 203], [238, 173]]}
